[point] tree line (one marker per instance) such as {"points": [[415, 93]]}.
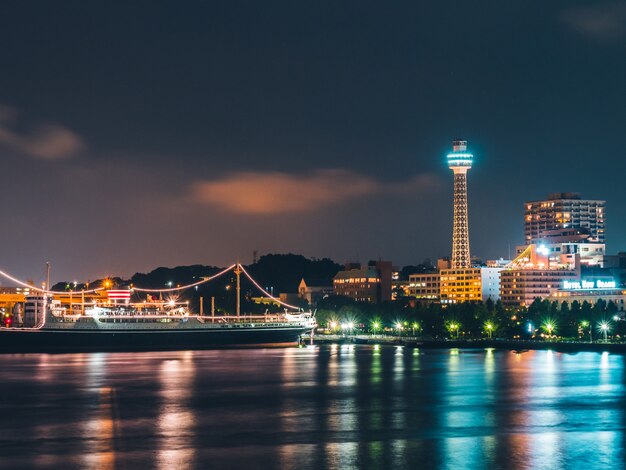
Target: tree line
{"points": [[472, 320]]}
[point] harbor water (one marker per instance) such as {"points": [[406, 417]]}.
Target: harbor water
{"points": [[329, 406]]}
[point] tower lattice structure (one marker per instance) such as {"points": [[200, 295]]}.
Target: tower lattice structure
{"points": [[460, 161]]}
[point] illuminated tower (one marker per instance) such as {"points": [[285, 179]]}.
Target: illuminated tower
{"points": [[459, 161]]}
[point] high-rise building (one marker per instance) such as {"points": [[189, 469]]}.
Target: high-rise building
{"points": [[564, 215], [566, 227], [460, 161]]}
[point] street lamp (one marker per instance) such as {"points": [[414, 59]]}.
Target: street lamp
{"points": [[416, 326], [549, 327], [584, 324], [348, 326], [604, 327], [399, 327], [375, 326], [455, 327], [489, 327]]}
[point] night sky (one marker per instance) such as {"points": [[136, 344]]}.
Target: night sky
{"points": [[142, 134]]}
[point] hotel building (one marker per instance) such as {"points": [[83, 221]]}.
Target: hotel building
{"points": [[532, 275], [520, 287], [591, 291], [564, 211]]}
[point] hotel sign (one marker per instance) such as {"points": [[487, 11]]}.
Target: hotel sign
{"points": [[587, 285]]}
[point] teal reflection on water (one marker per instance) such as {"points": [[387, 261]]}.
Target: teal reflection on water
{"points": [[337, 406]]}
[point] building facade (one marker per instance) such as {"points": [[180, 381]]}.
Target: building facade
{"points": [[590, 291], [424, 286], [572, 253], [313, 294], [460, 285], [564, 211], [613, 266], [369, 284], [519, 287], [490, 283], [533, 274]]}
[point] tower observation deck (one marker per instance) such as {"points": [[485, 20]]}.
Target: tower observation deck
{"points": [[460, 161]]}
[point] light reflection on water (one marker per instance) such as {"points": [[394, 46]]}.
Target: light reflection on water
{"points": [[176, 419], [316, 407]]}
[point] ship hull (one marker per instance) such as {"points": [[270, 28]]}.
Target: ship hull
{"points": [[50, 341]]}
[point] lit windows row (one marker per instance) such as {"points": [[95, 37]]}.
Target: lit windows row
{"points": [[354, 280]]}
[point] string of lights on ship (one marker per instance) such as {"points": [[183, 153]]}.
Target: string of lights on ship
{"points": [[157, 291]]}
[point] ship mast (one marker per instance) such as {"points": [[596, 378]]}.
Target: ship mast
{"points": [[238, 273]]}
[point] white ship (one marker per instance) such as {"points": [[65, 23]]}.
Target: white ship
{"points": [[143, 326]]}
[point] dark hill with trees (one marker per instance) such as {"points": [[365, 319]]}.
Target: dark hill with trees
{"points": [[278, 272], [284, 272]]}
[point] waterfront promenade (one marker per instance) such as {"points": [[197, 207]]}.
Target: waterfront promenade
{"points": [[510, 344]]}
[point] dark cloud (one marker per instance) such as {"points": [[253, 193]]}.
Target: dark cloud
{"points": [[601, 21], [46, 141]]}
